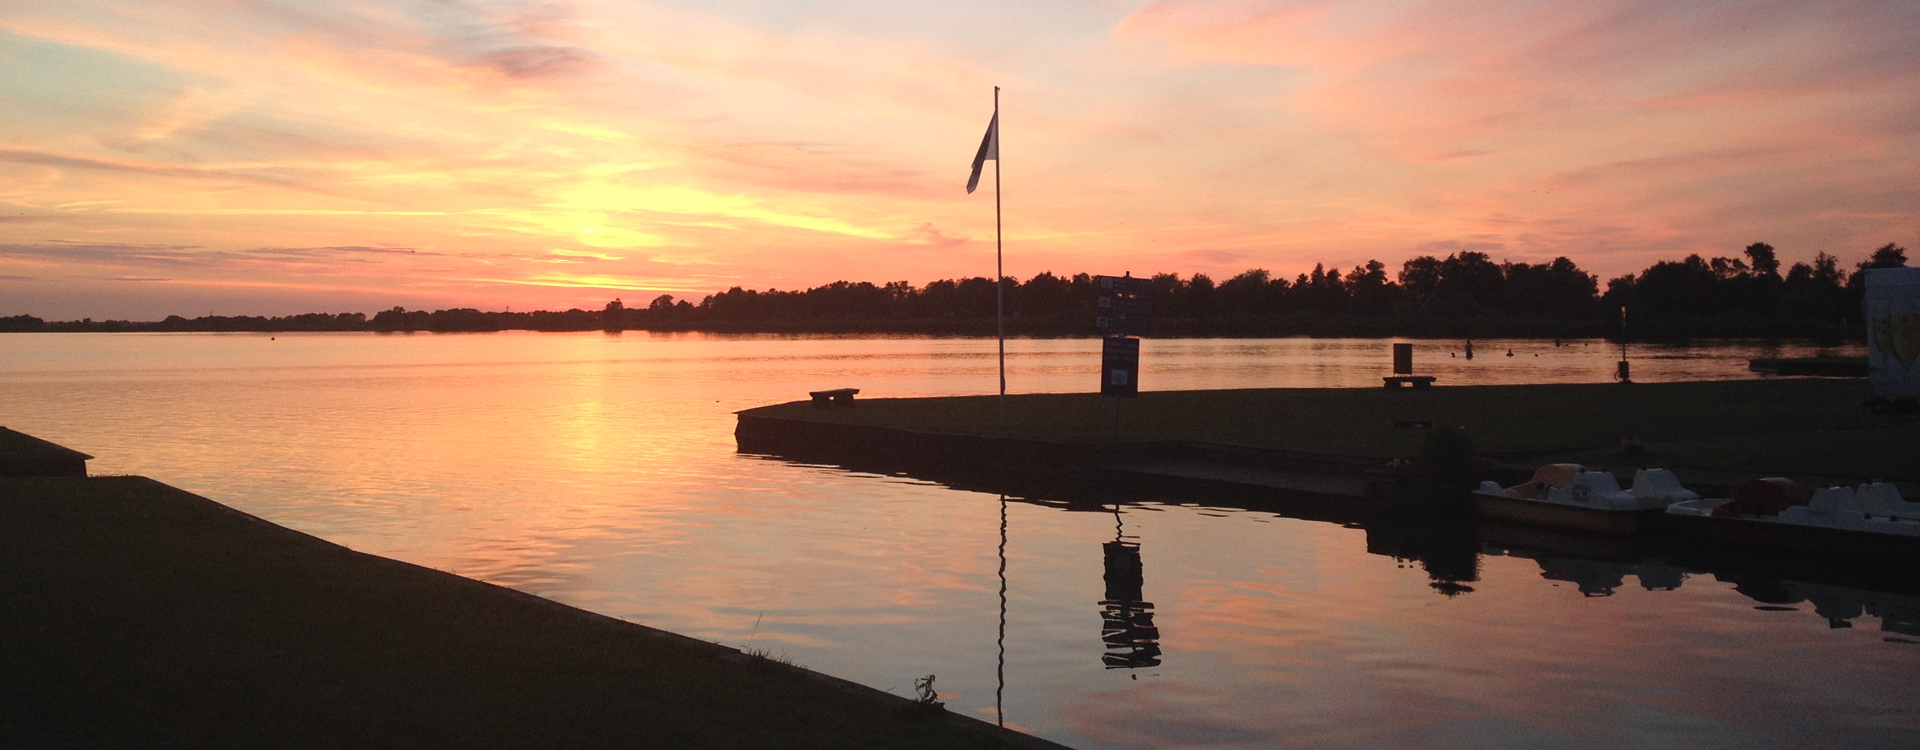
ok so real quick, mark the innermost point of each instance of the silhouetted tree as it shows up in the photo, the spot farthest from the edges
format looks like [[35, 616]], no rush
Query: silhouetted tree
[[1472, 275], [1557, 289], [1369, 291], [1885, 256], [1826, 270], [614, 316], [1728, 268], [1197, 298], [1420, 277], [1257, 293], [1045, 294], [1678, 290], [23, 323], [1322, 290], [1764, 262]]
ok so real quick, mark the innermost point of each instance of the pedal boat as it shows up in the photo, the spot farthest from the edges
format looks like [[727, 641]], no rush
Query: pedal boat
[[1869, 521], [1567, 496]]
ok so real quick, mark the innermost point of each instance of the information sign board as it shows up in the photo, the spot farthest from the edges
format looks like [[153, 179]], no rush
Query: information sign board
[[1124, 309], [1125, 286], [1121, 325], [1120, 367], [1126, 306]]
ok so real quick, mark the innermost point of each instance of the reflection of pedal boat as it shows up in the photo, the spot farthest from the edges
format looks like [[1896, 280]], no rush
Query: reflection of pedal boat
[[1525, 540], [1869, 521], [1566, 496]]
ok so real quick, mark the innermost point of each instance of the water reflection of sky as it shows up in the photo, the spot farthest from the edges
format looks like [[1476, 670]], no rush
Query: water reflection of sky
[[600, 470]]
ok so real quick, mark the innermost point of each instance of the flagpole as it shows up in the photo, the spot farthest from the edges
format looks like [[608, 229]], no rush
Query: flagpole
[[999, 267]]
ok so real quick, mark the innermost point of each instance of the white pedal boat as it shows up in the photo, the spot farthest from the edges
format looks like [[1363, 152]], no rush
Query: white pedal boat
[[1567, 496], [1871, 520]]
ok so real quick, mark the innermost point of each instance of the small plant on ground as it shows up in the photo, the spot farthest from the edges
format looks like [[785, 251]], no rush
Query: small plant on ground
[[928, 698], [762, 654], [768, 656]]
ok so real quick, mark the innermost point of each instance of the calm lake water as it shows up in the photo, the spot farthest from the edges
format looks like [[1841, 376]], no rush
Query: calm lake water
[[600, 470]]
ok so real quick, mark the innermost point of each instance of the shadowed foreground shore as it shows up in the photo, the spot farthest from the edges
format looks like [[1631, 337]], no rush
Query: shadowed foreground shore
[[139, 615]]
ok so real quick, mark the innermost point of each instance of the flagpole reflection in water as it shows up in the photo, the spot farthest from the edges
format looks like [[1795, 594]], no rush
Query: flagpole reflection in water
[[1000, 667]]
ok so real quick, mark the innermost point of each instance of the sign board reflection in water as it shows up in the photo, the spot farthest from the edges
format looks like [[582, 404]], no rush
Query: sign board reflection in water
[[1133, 642]]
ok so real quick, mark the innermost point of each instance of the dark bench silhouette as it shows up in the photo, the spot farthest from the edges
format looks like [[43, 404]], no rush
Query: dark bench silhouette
[[1403, 369], [841, 397], [1418, 381]]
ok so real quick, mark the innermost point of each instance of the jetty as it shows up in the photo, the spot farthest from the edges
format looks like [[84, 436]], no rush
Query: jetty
[[23, 455], [1353, 448], [141, 615]]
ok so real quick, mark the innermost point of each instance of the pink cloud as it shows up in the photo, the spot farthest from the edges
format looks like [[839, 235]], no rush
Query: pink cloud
[[1430, 79]]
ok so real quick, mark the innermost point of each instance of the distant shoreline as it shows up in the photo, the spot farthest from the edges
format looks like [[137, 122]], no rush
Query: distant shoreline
[[1465, 295], [1300, 325]]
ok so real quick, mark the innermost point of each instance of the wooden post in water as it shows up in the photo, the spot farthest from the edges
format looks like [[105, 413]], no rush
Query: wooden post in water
[[1622, 373]]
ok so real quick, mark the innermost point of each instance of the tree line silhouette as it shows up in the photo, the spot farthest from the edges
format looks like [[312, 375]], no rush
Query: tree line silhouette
[[1465, 293]]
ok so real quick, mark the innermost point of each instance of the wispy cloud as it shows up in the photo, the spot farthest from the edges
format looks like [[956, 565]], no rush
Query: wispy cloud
[[108, 254], [148, 168]]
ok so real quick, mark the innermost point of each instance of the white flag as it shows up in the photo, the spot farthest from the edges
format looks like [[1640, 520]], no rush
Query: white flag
[[989, 149]]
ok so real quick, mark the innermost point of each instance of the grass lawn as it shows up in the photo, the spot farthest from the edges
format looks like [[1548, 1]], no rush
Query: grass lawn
[[139, 615], [1544, 420]]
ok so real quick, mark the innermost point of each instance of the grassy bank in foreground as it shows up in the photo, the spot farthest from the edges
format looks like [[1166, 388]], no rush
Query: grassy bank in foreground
[[1799, 426], [139, 615]]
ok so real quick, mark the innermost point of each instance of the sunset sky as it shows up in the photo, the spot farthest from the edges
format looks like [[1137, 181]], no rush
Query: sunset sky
[[262, 157]]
